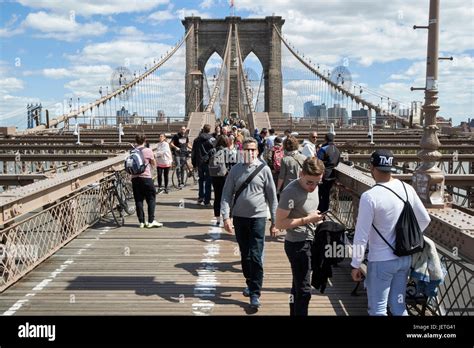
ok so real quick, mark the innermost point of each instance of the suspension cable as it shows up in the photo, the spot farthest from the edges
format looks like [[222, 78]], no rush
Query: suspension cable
[[126, 87], [215, 92], [336, 87]]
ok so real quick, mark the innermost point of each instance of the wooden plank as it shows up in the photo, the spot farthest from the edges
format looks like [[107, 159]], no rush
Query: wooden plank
[[132, 271]]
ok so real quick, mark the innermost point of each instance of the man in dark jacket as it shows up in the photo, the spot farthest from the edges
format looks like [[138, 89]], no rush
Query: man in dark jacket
[[330, 155], [261, 137], [202, 147]]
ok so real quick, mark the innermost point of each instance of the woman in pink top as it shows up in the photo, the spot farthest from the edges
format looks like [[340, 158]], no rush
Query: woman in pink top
[[143, 186], [164, 161]]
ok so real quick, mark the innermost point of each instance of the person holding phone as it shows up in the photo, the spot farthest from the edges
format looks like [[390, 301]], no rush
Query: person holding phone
[[297, 213]]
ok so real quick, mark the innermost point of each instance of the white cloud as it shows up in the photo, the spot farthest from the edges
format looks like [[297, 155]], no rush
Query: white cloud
[[121, 52], [130, 31], [94, 7], [13, 109], [168, 82], [207, 4], [187, 12], [5, 32], [61, 27], [456, 86], [161, 16], [56, 73], [366, 31], [10, 84], [86, 80]]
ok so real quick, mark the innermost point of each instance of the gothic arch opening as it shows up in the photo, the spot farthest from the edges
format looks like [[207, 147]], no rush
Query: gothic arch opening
[[212, 67], [253, 70]]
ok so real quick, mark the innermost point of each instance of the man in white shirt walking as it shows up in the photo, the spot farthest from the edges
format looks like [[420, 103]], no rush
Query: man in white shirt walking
[[387, 274]]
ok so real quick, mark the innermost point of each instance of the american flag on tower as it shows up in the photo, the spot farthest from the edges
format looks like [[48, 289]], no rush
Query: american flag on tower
[[231, 3]]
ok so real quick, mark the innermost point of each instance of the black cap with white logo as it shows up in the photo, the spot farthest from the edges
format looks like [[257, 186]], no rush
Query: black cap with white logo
[[383, 160]]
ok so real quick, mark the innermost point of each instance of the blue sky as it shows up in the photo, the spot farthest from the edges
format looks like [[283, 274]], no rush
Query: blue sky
[[54, 50]]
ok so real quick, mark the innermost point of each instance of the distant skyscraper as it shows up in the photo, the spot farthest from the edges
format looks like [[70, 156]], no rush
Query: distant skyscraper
[[360, 117], [319, 112], [338, 115], [123, 116], [381, 118], [307, 109], [416, 111]]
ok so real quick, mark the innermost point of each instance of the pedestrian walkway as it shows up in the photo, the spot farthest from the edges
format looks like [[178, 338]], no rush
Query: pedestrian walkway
[[187, 267]]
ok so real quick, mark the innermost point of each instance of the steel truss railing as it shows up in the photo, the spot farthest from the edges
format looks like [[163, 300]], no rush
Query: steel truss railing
[[27, 243]]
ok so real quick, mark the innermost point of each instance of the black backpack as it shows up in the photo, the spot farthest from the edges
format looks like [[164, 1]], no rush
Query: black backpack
[[207, 150], [408, 235]]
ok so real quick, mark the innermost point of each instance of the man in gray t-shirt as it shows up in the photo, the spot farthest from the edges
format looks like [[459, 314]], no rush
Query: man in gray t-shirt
[[297, 213], [301, 204]]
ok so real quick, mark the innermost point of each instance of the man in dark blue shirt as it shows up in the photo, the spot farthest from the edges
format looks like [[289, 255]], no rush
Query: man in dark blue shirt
[[330, 155]]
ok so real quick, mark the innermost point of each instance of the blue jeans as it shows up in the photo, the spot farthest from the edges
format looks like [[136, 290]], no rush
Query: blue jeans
[[250, 234], [386, 284], [205, 182]]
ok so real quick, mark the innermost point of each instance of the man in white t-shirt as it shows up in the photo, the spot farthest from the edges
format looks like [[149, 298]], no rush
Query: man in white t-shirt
[[387, 274], [309, 146]]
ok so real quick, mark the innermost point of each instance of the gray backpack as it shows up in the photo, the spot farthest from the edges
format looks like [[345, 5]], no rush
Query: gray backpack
[[217, 165]]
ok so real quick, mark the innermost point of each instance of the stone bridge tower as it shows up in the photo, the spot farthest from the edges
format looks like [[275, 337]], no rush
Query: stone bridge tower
[[255, 35]]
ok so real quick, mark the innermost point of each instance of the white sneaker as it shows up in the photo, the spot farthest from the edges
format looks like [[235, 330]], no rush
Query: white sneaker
[[142, 225], [154, 224]]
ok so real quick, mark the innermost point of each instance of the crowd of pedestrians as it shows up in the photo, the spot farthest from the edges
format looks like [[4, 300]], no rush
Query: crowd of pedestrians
[[268, 176]]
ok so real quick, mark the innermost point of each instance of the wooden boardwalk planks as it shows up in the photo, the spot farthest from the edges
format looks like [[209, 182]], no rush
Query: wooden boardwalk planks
[[187, 267]]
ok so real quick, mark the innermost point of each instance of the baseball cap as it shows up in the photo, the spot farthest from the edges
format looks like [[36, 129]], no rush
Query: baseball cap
[[330, 137], [383, 160]]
